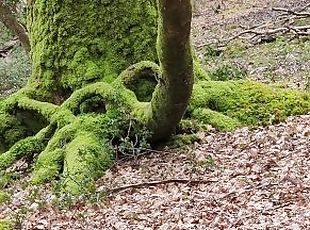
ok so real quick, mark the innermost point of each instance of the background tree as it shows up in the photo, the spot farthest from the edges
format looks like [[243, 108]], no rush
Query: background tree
[[9, 19], [118, 73]]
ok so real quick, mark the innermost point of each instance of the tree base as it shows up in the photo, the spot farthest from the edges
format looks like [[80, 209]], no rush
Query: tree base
[[76, 141]]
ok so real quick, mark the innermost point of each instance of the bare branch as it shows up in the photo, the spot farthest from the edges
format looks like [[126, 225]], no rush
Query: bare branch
[[283, 24], [154, 183]]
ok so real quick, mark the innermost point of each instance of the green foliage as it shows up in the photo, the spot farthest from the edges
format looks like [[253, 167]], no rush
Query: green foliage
[[4, 197], [211, 52], [6, 179]]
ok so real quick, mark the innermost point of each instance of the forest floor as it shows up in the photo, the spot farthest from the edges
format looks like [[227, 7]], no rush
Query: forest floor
[[250, 178]]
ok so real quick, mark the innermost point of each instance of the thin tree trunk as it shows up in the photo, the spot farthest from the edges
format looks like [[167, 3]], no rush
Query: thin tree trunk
[[172, 94], [10, 21]]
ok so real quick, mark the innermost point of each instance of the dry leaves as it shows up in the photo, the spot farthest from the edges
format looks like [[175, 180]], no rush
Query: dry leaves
[[260, 181]]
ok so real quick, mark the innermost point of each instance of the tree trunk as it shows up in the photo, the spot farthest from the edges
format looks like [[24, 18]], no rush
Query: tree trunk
[[81, 100], [10, 21], [174, 89], [78, 43]]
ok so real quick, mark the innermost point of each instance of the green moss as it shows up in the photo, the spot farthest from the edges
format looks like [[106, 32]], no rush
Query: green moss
[[86, 158], [141, 78], [20, 117], [11, 130], [6, 225], [249, 102], [216, 119], [180, 140], [190, 125], [23, 148], [80, 44]]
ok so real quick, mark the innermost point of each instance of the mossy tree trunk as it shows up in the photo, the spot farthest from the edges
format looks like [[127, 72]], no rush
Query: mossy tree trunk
[[81, 100]]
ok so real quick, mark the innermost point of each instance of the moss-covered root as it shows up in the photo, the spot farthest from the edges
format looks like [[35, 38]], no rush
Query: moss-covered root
[[86, 157], [109, 98], [246, 102], [141, 78], [81, 156], [24, 148], [20, 117], [11, 130], [215, 119]]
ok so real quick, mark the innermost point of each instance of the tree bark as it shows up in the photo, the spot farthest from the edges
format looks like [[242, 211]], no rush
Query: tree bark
[[175, 85], [10, 21], [78, 43]]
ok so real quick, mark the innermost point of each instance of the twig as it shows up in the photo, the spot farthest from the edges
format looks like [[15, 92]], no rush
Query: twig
[[154, 183], [7, 47], [291, 12], [284, 24]]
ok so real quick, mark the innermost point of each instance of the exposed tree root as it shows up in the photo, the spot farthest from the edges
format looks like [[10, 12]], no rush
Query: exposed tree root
[[77, 144]]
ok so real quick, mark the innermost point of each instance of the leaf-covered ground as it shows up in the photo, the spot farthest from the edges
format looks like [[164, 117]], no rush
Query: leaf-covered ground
[[283, 62], [250, 179], [245, 179]]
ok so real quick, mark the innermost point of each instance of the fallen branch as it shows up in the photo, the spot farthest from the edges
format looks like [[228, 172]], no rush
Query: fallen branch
[[7, 47], [284, 25], [154, 183], [291, 12], [295, 30]]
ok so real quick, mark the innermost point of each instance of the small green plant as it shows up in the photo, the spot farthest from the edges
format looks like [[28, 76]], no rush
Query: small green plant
[[228, 72], [212, 51], [20, 216], [6, 179], [198, 163], [206, 164], [6, 225], [4, 197]]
